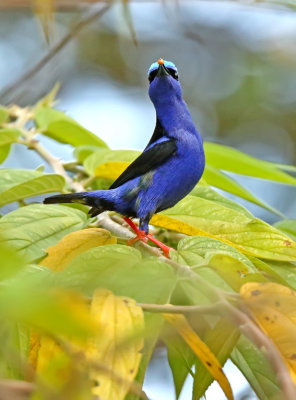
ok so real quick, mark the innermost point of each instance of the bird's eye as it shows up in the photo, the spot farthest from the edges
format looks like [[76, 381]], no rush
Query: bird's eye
[[173, 73]]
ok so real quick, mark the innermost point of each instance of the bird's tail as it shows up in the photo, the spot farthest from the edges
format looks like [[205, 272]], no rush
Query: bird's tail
[[96, 203]]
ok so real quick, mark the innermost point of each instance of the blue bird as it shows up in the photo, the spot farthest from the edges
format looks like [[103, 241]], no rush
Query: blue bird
[[168, 169]]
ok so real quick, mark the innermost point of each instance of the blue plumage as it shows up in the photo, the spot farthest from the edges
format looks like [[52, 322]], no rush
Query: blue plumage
[[169, 167]]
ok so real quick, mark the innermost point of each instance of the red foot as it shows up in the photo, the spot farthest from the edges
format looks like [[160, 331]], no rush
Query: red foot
[[166, 249], [141, 235]]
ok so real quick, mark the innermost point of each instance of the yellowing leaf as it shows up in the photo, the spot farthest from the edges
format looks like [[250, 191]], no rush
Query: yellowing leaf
[[118, 345], [34, 348], [167, 222], [54, 367], [274, 308], [197, 216], [73, 244], [111, 170], [57, 372], [201, 350], [104, 156]]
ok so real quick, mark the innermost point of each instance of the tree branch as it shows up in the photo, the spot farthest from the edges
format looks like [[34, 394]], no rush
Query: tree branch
[[12, 389], [8, 91]]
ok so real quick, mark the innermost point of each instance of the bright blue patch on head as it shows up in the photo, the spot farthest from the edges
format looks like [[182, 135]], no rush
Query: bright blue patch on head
[[167, 64]]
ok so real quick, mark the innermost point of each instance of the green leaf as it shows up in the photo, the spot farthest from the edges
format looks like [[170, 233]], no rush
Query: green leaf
[[82, 152], [32, 229], [4, 115], [204, 254], [199, 250], [181, 359], [60, 127], [50, 98], [8, 136], [153, 325], [221, 339], [277, 271], [217, 178], [287, 226], [4, 152], [230, 159], [283, 272], [120, 269], [205, 191], [103, 156], [14, 349], [199, 217], [17, 184], [255, 368], [11, 262]]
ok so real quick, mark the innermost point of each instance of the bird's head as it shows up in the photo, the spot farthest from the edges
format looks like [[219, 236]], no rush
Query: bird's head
[[164, 81]]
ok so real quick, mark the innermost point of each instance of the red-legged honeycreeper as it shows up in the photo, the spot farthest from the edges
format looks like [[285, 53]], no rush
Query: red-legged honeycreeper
[[169, 167]]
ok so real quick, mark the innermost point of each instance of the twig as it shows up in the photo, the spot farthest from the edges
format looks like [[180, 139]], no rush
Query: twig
[[23, 115], [106, 222], [55, 163], [55, 49], [11, 388], [172, 309]]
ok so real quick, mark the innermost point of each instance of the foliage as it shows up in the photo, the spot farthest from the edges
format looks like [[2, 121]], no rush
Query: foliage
[[82, 312]]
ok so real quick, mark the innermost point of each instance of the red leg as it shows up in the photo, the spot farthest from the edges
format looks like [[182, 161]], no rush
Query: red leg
[[166, 249], [141, 235]]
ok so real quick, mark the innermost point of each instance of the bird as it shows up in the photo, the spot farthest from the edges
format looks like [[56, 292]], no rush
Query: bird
[[167, 170]]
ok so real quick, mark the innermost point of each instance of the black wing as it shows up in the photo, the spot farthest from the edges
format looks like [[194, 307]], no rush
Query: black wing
[[147, 161], [158, 133]]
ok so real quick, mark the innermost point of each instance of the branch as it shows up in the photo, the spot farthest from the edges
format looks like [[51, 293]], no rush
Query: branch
[[23, 116], [62, 43], [62, 5], [172, 309], [12, 389], [251, 330], [55, 164], [118, 230], [245, 323]]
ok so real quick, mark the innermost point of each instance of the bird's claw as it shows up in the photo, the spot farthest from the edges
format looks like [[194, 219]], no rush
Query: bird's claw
[[166, 249], [141, 235]]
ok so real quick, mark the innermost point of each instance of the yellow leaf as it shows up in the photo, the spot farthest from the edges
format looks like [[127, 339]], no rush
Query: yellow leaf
[[55, 369], [118, 345], [195, 216], [61, 254], [201, 350], [172, 224], [34, 348], [111, 170], [76, 306], [274, 308]]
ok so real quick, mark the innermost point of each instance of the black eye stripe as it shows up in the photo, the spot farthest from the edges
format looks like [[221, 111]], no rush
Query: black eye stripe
[[152, 75], [171, 71]]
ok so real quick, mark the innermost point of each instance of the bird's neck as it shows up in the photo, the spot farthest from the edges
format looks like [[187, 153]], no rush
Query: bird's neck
[[175, 117]]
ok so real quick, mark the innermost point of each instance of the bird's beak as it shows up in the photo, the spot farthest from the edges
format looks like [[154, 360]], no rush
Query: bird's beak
[[162, 71]]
